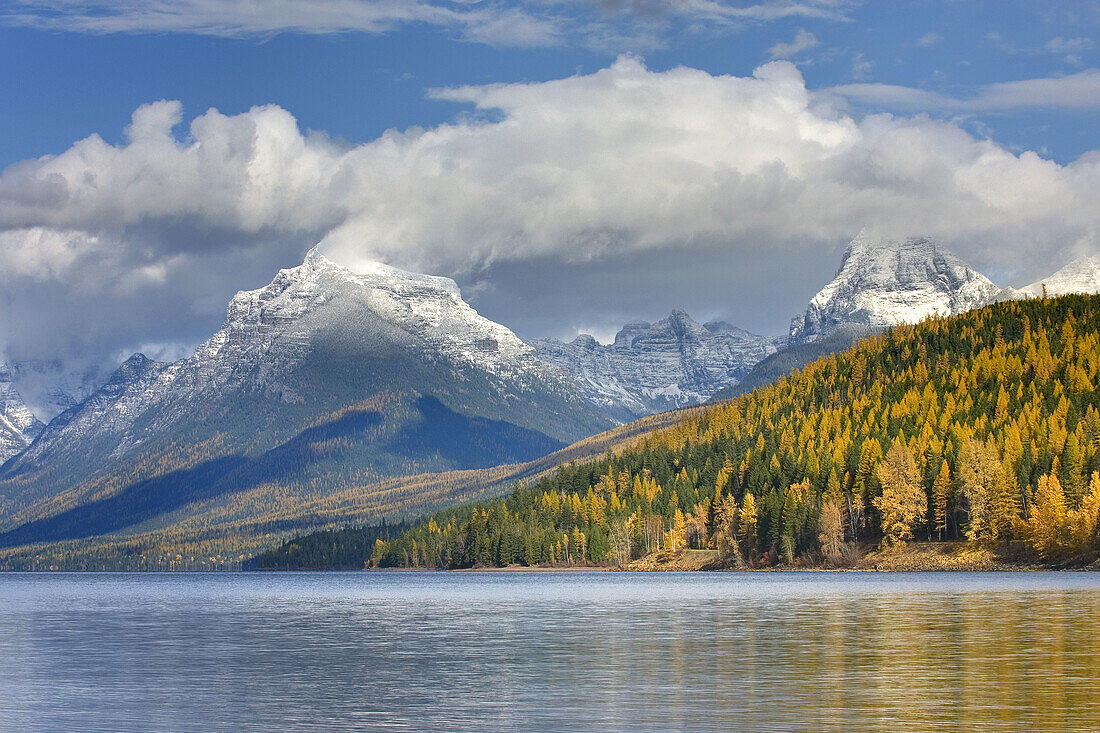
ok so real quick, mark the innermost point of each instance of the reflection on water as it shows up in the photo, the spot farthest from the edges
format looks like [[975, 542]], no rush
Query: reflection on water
[[551, 651]]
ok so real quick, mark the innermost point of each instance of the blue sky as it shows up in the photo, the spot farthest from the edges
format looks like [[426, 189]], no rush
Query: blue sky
[[551, 156], [62, 84]]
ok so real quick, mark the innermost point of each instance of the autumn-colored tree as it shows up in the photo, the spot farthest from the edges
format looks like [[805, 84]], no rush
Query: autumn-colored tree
[[674, 537], [979, 467], [725, 526], [578, 544], [1085, 519], [619, 538], [1004, 509], [830, 531], [746, 528], [903, 501], [941, 496], [1048, 526], [697, 524]]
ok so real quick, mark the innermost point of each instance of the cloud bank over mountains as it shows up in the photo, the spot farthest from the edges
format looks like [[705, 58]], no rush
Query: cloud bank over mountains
[[105, 247]]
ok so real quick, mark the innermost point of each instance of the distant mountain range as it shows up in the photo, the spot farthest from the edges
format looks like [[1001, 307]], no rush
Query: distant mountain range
[[1079, 276], [328, 378], [656, 367]]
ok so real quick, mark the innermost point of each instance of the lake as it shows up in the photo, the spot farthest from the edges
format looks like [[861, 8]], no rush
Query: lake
[[549, 651]]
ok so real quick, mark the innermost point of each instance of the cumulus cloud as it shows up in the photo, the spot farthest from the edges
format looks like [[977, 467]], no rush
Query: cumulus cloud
[[108, 246]]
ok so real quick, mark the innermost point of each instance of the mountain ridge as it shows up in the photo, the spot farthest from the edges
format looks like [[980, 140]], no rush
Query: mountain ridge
[[652, 367], [1081, 275], [883, 282]]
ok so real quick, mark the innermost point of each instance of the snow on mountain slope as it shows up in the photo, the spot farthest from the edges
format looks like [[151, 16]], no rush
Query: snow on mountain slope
[[317, 341], [1079, 276], [884, 282], [48, 388], [18, 425], [654, 367], [268, 330]]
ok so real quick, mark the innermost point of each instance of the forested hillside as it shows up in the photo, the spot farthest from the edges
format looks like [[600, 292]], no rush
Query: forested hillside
[[981, 427], [228, 531]]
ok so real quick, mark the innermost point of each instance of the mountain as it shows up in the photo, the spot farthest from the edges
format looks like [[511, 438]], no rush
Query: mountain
[[884, 282], [1080, 276], [18, 425], [323, 378], [880, 283], [655, 367], [224, 531]]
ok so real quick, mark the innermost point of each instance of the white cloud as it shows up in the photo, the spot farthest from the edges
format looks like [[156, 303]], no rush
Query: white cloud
[[1074, 91], [528, 23], [1000, 43], [130, 243], [861, 67], [1070, 45], [496, 25], [803, 40], [929, 39]]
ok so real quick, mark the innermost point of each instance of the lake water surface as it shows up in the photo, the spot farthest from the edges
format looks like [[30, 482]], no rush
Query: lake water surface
[[549, 651]]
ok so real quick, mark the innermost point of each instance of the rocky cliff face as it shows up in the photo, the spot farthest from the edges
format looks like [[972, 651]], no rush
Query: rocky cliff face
[[884, 282], [654, 367]]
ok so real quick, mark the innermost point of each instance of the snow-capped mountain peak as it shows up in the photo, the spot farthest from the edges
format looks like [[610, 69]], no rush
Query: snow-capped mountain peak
[[379, 273], [1082, 275], [883, 282], [282, 318]]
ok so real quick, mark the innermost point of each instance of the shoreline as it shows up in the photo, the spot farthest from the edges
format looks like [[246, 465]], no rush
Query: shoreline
[[912, 558]]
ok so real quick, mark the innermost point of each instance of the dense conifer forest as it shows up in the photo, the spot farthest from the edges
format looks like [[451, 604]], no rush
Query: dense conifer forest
[[982, 428], [342, 549]]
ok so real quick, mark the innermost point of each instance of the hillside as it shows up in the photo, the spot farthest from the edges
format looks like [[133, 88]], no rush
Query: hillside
[[982, 427], [225, 531]]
